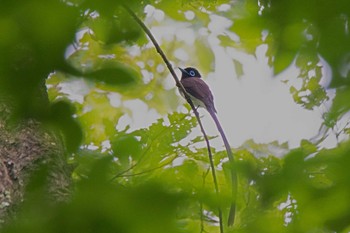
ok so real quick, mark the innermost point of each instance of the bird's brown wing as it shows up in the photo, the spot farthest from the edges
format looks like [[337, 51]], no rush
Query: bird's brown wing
[[200, 90]]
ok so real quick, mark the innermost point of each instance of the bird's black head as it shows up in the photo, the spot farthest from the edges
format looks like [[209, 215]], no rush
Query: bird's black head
[[190, 72]]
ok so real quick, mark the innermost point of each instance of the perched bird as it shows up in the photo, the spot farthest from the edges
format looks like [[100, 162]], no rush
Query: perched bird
[[201, 96], [197, 89]]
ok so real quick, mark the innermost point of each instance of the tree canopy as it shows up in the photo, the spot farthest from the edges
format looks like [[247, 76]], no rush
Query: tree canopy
[[78, 67]]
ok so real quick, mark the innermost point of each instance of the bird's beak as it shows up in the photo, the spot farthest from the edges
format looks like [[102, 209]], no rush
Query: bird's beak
[[183, 71]]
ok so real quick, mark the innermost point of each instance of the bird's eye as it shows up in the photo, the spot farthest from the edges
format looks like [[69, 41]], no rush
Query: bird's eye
[[192, 73]]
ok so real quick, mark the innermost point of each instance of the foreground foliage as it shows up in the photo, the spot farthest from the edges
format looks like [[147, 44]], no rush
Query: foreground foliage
[[157, 178]]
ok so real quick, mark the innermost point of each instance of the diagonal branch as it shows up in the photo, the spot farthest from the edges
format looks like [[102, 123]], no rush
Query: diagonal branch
[[179, 85]]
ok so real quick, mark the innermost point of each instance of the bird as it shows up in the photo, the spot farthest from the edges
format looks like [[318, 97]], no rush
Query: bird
[[201, 96], [198, 90]]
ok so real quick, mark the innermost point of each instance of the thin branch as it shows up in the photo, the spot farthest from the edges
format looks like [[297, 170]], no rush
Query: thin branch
[[201, 204], [149, 170], [161, 53], [179, 85]]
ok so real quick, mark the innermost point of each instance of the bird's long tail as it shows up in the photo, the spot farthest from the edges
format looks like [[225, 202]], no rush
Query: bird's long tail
[[232, 213]]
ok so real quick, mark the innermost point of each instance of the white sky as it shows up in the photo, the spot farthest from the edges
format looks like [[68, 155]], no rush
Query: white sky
[[259, 106]]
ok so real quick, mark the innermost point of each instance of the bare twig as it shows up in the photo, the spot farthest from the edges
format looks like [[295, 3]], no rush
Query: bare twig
[[179, 85]]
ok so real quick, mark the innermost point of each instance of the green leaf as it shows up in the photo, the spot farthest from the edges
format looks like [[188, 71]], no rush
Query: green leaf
[[308, 146], [340, 106], [61, 117], [114, 75], [99, 119], [125, 147], [110, 30], [97, 205], [238, 68], [205, 56], [249, 31], [282, 60], [32, 44], [293, 36]]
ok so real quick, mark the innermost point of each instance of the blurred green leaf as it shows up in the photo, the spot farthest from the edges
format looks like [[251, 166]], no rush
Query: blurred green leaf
[[111, 30], [238, 68], [114, 75], [282, 60], [205, 56], [340, 106], [334, 45], [249, 30], [34, 37], [126, 146], [61, 117], [146, 208]]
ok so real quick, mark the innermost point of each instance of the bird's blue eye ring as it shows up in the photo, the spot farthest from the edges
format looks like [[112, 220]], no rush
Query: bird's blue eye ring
[[192, 73]]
